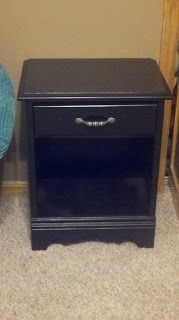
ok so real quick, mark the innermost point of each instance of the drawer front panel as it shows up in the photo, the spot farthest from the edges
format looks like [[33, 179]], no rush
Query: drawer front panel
[[95, 120]]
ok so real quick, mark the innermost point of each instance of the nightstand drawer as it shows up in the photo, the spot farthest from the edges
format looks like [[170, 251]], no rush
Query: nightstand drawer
[[95, 120]]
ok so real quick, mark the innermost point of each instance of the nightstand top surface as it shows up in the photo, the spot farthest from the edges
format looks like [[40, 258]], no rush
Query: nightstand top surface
[[44, 79]]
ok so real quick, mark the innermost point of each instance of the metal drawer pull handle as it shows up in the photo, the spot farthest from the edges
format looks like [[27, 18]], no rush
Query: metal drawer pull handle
[[94, 123]]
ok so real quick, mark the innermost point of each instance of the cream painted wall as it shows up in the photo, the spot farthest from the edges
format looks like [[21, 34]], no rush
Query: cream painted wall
[[76, 28]]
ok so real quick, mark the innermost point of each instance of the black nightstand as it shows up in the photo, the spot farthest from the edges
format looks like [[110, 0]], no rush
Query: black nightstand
[[94, 128]]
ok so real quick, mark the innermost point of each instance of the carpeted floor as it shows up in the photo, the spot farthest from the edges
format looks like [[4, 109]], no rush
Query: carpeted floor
[[90, 280]]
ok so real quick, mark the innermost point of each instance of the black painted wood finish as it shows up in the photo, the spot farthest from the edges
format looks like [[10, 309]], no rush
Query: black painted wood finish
[[94, 134]]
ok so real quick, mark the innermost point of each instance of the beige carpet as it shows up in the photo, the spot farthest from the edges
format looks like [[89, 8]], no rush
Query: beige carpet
[[90, 280]]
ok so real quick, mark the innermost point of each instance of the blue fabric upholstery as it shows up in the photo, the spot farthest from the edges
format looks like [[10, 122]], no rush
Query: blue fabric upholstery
[[7, 110]]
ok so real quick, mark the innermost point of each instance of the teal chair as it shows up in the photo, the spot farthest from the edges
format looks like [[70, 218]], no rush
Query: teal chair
[[7, 110]]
